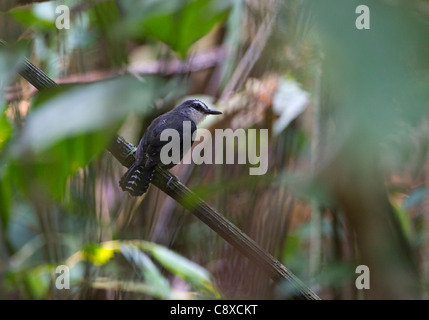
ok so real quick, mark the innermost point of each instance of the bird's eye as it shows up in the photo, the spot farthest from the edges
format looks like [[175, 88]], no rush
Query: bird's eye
[[198, 107]]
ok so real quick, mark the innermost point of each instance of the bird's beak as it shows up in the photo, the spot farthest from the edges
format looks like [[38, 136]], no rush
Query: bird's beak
[[209, 111]]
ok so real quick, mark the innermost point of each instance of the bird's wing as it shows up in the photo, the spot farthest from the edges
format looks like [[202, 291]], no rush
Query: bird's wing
[[152, 143]]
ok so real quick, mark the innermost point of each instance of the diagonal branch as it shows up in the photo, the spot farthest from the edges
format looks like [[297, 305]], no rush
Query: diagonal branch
[[124, 153]]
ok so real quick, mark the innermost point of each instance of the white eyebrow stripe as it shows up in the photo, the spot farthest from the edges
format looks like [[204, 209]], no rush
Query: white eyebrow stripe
[[201, 104]]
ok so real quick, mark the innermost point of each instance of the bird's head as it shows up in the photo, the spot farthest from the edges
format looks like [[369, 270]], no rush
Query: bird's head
[[195, 110]]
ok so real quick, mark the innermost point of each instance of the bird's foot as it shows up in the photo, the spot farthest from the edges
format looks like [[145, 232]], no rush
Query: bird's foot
[[172, 178], [132, 152]]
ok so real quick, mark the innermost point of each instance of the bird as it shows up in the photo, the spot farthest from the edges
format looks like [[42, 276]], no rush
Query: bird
[[137, 179]]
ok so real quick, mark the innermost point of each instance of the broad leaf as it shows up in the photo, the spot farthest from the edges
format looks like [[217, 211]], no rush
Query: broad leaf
[[173, 22], [153, 278]]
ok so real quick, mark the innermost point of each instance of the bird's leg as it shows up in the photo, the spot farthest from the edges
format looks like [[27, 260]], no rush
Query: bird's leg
[[172, 178], [132, 151]]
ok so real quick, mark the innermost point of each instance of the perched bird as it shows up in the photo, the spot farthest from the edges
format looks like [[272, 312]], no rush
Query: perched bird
[[138, 177]]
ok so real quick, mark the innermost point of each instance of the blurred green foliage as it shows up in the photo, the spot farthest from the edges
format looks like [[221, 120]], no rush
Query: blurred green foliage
[[59, 198], [137, 254], [67, 129], [176, 23], [376, 76], [29, 18]]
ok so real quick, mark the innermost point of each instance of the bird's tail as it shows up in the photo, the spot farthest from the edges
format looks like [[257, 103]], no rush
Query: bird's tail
[[137, 179]]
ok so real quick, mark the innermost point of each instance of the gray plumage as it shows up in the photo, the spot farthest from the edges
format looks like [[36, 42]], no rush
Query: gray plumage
[[138, 177]]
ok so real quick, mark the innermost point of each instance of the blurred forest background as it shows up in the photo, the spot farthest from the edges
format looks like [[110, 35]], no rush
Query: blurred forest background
[[348, 169]]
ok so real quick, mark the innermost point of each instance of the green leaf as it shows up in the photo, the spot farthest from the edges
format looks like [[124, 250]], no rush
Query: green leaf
[[155, 284], [173, 22], [179, 265], [404, 220], [5, 130], [66, 129], [28, 18], [34, 281], [6, 182], [5, 196], [98, 255], [83, 109], [153, 279], [37, 281]]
